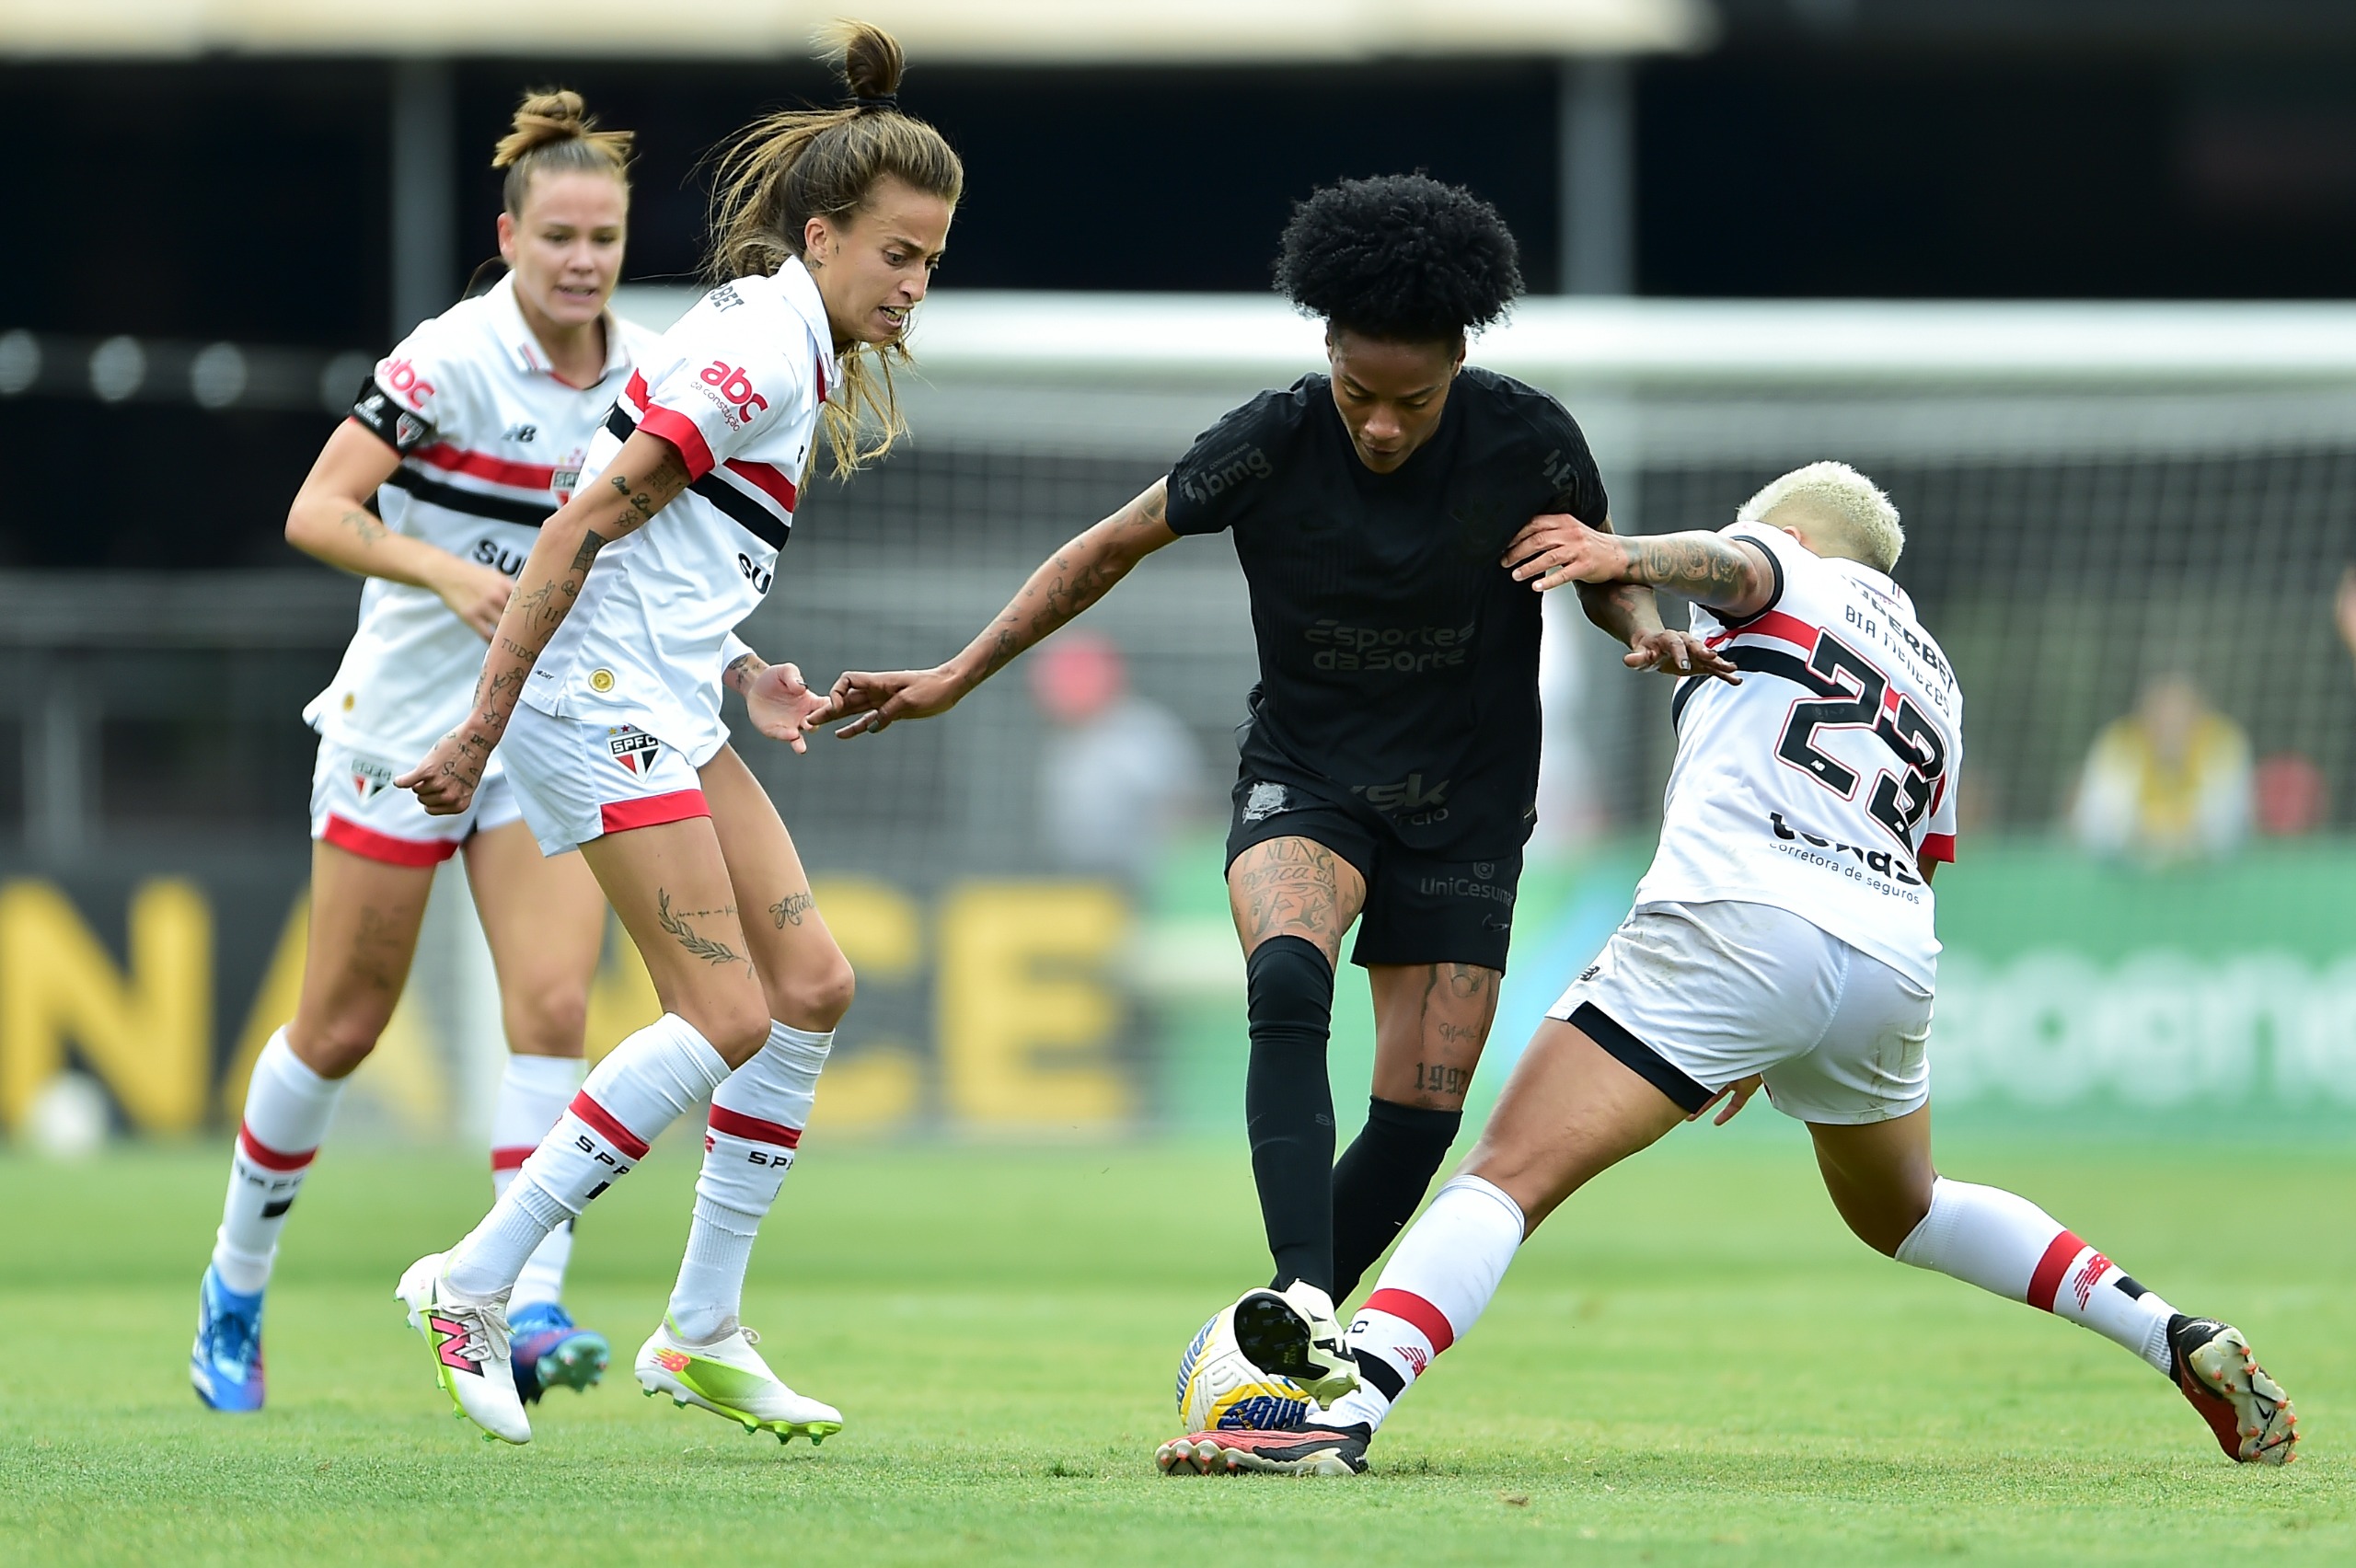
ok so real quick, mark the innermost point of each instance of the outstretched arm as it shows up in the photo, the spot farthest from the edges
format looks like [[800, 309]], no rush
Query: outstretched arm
[[1065, 584], [641, 479], [1618, 604], [1732, 577]]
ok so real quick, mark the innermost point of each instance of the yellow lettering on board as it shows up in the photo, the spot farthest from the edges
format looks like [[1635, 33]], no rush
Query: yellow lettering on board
[[147, 1033], [1027, 1013]]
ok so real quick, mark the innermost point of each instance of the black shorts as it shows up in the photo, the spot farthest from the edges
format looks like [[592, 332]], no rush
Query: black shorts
[[1419, 908]]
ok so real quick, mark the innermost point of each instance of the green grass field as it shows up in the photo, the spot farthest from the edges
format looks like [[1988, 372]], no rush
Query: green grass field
[[1692, 1363]]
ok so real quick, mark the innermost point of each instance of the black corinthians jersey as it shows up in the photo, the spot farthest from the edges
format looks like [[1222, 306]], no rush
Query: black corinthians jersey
[[1398, 659]]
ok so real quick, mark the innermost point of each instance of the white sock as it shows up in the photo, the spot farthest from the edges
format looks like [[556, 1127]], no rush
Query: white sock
[[1438, 1284], [533, 1092], [652, 1078], [2008, 1246], [288, 1107], [756, 1121]]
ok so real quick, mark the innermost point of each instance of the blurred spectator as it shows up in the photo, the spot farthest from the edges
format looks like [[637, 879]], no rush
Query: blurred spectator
[[2170, 781], [1117, 773], [2292, 799]]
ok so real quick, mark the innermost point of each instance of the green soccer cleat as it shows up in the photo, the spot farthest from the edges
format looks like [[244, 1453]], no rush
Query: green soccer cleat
[[468, 1339], [729, 1379]]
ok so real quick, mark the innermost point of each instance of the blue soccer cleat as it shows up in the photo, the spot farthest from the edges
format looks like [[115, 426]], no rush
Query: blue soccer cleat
[[226, 1362], [549, 1353]]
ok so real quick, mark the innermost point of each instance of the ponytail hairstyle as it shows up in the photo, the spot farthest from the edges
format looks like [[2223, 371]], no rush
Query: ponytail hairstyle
[[790, 167], [552, 135]]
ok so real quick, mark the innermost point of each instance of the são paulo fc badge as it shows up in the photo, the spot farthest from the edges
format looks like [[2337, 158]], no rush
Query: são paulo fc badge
[[370, 778], [635, 748]]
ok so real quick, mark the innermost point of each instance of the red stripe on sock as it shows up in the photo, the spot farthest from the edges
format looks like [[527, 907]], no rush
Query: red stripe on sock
[[270, 1158], [738, 1126], [510, 1159], [600, 1122], [2046, 1283], [1429, 1320]]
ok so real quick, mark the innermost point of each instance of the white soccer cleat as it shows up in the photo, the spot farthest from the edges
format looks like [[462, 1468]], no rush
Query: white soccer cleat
[[468, 1339], [729, 1379], [1294, 1334]]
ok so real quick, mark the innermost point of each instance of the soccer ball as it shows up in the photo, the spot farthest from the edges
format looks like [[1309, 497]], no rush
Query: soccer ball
[[1219, 1388]]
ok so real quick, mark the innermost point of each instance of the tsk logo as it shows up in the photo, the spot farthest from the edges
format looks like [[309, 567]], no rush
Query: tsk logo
[[634, 749], [1409, 796]]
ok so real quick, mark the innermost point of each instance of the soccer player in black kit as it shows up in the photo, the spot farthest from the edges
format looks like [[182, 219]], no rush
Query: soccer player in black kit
[[1390, 763]]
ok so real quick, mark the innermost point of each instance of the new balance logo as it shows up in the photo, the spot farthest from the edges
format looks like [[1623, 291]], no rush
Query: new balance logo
[[448, 1347], [522, 433], [1413, 1356], [2082, 1284]]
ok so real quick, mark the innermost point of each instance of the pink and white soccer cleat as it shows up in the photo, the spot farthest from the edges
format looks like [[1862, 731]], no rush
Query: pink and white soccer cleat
[[468, 1339]]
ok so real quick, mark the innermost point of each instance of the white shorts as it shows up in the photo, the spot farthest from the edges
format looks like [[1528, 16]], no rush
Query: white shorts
[[355, 807], [578, 780], [1693, 996]]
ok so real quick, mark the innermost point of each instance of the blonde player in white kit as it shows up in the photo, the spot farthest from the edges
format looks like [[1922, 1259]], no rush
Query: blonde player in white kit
[[1783, 935], [470, 433], [601, 693]]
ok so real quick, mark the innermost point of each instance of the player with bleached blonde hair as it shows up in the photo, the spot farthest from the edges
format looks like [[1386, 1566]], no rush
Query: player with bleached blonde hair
[[1783, 937]]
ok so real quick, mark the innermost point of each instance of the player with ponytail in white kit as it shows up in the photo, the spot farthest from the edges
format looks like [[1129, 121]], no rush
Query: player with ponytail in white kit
[[469, 433], [1783, 936], [601, 694]]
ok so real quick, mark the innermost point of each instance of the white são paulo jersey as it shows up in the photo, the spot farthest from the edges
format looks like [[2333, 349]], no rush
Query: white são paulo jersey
[[736, 386], [492, 443], [1818, 784]]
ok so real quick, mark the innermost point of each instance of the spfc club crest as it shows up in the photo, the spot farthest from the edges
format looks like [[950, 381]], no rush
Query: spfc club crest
[[635, 748], [370, 779]]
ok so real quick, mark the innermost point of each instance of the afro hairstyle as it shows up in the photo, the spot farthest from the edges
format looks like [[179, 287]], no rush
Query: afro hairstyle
[[1400, 257]]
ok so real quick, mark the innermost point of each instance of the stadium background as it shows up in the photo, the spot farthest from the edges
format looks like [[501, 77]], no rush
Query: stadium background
[[226, 211], [2065, 274]]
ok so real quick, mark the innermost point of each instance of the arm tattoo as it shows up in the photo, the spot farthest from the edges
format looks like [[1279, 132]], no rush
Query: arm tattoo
[[590, 545], [790, 909], [653, 493], [1700, 566], [742, 671], [366, 523], [704, 947], [1074, 578]]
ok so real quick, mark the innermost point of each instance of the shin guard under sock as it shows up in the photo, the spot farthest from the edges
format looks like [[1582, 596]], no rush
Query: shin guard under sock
[[288, 1107], [1436, 1287], [1382, 1176], [1288, 1106], [2005, 1244], [651, 1079]]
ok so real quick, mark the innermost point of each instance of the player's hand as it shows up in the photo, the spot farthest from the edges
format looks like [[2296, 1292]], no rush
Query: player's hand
[[1737, 1095], [781, 704], [476, 594], [881, 701], [1678, 653], [1556, 548], [445, 782]]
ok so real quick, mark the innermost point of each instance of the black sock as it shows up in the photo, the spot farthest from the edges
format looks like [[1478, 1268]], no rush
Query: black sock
[[1288, 1106], [1380, 1180]]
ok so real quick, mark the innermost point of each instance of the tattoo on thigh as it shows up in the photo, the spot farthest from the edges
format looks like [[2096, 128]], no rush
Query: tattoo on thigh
[[701, 947], [1438, 1077], [1290, 886], [789, 910]]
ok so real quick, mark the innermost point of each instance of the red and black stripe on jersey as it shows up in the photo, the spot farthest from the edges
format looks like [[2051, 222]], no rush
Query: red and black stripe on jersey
[[755, 518]]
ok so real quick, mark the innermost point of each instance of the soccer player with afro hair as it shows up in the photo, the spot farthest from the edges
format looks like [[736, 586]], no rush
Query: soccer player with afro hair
[[1390, 762]]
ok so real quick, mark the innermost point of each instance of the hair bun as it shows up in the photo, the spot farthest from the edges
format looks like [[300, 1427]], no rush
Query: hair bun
[[870, 62], [542, 119]]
